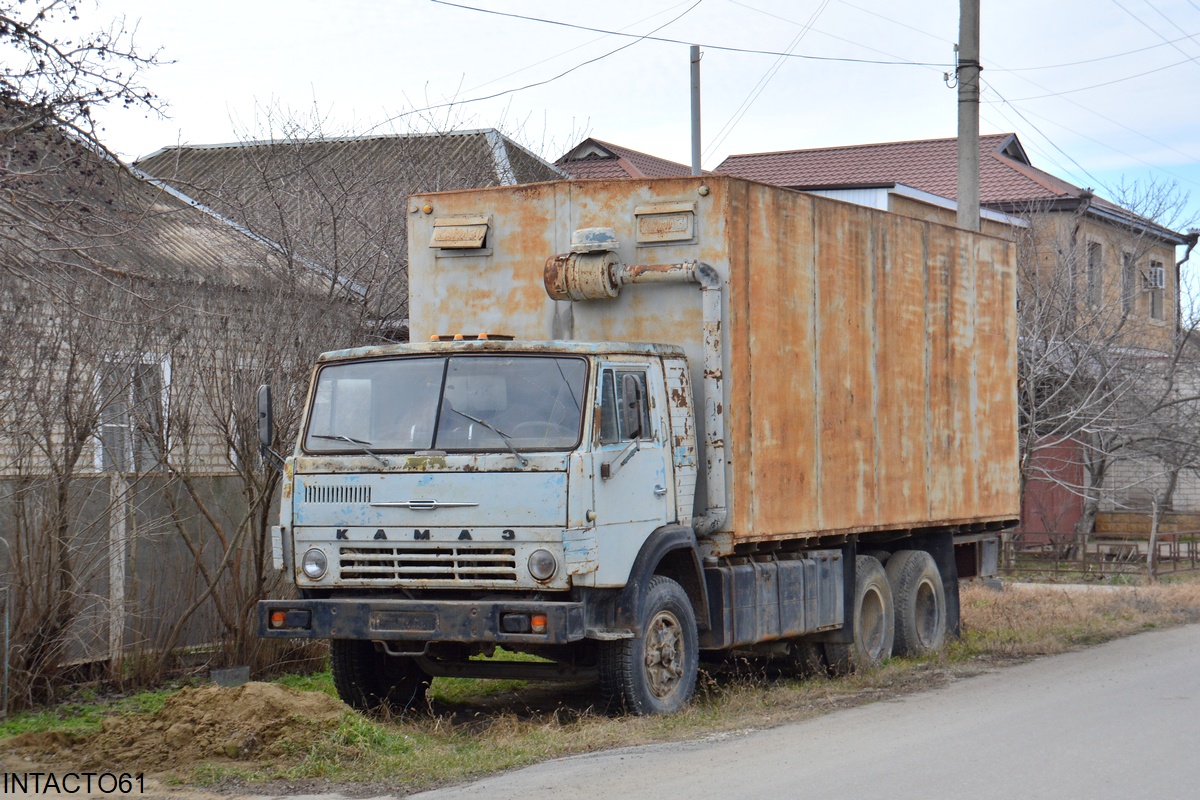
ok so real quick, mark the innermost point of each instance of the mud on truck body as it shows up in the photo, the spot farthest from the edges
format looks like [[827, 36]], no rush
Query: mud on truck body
[[645, 419]]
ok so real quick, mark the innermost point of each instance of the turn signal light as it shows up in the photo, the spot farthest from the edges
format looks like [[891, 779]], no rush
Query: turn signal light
[[538, 623], [292, 618]]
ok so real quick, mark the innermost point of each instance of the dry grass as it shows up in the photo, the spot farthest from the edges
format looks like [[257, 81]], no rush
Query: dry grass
[[504, 725], [1038, 619]]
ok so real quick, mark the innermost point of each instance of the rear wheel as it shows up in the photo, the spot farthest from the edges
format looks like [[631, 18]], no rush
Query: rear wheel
[[369, 680], [920, 602], [654, 673], [873, 618]]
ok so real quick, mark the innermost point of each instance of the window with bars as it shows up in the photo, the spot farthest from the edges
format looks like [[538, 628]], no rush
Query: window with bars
[[1156, 288]]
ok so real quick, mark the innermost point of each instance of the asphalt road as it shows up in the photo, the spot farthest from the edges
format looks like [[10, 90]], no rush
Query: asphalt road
[[1121, 720]]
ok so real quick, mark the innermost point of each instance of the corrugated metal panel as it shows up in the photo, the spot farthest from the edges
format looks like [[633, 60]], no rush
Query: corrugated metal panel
[[871, 198], [121, 224], [871, 357]]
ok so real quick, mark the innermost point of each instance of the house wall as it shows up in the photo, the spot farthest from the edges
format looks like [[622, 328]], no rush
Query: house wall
[[1058, 244], [1131, 485], [115, 560]]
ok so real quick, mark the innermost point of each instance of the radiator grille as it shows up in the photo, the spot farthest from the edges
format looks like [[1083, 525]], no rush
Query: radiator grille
[[337, 494], [437, 563]]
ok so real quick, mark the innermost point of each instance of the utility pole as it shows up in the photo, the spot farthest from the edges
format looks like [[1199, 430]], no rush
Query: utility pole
[[968, 114], [696, 109]]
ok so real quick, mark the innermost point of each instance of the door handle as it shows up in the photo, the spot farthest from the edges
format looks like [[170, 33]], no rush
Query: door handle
[[659, 491]]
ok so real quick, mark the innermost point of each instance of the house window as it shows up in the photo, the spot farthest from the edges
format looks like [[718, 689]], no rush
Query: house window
[[1095, 274], [618, 424], [1129, 279], [132, 411], [1157, 282]]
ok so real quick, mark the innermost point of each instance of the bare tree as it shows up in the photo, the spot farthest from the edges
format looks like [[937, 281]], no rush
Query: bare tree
[[50, 84], [1104, 364], [210, 453], [61, 383], [59, 78]]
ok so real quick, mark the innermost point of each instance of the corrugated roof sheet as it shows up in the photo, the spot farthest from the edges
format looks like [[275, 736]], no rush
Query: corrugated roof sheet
[[68, 206], [593, 158], [342, 203]]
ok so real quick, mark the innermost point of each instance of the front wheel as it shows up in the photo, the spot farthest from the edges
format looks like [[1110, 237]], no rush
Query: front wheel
[[369, 680], [654, 673]]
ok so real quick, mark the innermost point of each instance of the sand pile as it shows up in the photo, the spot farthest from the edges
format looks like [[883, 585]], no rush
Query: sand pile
[[193, 727]]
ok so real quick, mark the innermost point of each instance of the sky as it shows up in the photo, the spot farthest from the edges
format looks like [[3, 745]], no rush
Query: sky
[[1103, 93]]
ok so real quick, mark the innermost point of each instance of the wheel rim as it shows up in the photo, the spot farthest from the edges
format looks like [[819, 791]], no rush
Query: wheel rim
[[873, 625], [928, 614], [664, 654]]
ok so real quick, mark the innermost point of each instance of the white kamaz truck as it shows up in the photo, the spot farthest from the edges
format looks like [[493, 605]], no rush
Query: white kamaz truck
[[643, 419]]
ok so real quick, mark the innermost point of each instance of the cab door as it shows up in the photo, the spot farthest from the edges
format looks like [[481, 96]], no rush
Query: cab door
[[633, 485]]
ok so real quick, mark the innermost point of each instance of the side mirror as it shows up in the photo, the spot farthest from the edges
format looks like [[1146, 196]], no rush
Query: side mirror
[[266, 421]]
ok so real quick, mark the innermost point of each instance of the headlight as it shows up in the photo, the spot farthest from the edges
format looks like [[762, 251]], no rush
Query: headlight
[[542, 565], [314, 563]]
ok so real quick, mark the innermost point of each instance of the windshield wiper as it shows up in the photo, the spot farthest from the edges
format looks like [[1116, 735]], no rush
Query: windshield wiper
[[361, 443], [504, 437]]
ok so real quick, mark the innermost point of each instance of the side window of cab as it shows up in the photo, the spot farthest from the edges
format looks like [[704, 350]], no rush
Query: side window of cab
[[624, 407]]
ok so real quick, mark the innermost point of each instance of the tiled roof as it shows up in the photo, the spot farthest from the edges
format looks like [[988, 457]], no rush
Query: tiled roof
[[930, 165], [1007, 180], [593, 158]]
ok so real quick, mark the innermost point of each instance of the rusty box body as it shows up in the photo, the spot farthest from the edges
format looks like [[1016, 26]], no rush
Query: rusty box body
[[869, 358]]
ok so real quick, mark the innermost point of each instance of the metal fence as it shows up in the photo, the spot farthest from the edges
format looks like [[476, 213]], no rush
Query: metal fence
[[1102, 554]]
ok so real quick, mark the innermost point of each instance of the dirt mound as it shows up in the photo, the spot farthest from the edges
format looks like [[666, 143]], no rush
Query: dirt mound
[[193, 727]]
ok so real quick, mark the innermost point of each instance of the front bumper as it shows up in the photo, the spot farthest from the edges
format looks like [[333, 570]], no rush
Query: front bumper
[[420, 620]]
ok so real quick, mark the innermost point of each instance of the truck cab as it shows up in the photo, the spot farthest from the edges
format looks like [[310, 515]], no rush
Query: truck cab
[[449, 497]]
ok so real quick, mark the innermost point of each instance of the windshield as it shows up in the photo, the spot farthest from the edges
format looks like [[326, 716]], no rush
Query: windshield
[[475, 403]]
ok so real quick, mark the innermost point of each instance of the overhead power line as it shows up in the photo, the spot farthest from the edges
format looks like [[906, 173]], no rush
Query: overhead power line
[[571, 50], [761, 86], [1066, 155], [1153, 30], [995, 68], [535, 84], [1105, 83], [724, 48]]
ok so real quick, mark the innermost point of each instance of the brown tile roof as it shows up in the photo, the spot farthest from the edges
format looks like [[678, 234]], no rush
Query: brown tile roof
[[593, 158], [1007, 180], [930, 165]]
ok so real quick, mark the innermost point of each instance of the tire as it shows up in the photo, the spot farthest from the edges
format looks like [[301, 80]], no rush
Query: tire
[[873, 618], [654, 673], [920, 600], [369, 680]]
